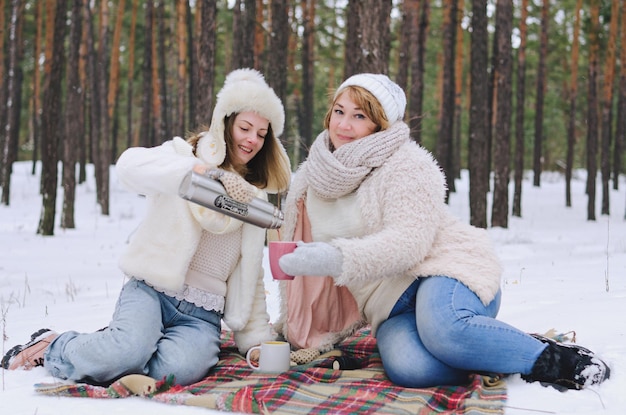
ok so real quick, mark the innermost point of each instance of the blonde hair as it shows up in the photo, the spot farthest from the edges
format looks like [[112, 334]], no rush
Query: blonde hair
[[364, 100], [264, 170]]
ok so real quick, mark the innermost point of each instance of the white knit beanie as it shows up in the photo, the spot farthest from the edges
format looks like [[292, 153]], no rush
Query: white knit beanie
[[243, 90], [387, 92]]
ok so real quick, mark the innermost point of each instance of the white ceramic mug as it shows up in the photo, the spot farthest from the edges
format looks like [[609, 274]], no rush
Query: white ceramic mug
[[274, 357]]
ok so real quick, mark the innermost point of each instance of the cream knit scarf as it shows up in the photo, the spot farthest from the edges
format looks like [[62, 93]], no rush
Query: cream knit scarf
[[338, 173]]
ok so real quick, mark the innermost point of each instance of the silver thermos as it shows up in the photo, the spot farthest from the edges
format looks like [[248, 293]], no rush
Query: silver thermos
[[210, 193]]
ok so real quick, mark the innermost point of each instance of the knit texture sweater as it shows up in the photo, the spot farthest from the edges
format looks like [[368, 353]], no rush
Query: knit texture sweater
[[207, 276]]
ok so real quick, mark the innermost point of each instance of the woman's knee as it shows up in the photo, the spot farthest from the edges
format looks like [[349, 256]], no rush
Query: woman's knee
[[405, 360], [185, 371], [445, 309], [188, 355], [419, 369]]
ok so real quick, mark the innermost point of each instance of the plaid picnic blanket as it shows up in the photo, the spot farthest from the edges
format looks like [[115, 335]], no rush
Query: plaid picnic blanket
[[313, 388]]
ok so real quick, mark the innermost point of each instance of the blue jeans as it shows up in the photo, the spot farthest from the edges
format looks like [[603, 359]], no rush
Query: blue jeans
[[439, 332], [150, 334]]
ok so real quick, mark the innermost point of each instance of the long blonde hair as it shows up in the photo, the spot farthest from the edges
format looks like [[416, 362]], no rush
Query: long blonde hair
[[263, 170]]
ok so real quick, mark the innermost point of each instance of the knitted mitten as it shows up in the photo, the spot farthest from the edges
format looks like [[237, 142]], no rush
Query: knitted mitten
[[303, 356], [313, 258], [236, 186]]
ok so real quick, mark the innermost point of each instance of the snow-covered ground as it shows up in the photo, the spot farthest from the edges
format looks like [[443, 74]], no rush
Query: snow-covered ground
[[562, 272]]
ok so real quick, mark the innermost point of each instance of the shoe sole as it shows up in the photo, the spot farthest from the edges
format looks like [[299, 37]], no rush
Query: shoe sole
[[35, 338]]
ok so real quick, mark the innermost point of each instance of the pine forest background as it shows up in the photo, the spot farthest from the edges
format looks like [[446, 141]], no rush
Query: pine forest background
[[501, 88]]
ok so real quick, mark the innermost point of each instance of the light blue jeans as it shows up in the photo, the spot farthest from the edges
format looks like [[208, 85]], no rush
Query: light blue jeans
[[439, 332], [150, 334]]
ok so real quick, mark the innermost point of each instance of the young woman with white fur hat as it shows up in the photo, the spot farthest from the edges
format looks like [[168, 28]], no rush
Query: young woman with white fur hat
[[189, 267], [378, 245]]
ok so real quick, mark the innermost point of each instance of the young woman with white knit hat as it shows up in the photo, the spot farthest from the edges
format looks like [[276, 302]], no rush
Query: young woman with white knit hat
[[378, 245], [189, 267]]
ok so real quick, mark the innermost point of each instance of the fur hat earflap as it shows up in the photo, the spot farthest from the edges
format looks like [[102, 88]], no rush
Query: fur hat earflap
[[243, 90]]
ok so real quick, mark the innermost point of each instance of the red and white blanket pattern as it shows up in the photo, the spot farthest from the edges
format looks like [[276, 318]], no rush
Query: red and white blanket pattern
[[314, 388]]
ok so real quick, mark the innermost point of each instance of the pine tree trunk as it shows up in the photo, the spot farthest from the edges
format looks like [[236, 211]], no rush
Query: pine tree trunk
[[3, 100], [114, 73], [92, 90], [73, 120], [277, 59], [206, 62], [51, 116], [541, 88], [10, 132], [130, 138], [244, 21], [592, 110], [409, 9], [573, 95], [114, 76], [418, 53], [259, 36], [519, 112], [445, 144], [156, 79], [351, 45], [502, 132], [237, 36], [249, 28], [104, 134], [84, 150], [3, 25], [478, 122], [178, 121], [620, 128], [163, 120], [308, 76], [36, 116], [607, 110], [192, 56], [369, 50], [458, 90], [490, 108], [145, 127]]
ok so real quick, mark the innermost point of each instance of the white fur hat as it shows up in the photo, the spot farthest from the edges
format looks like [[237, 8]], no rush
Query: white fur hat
[[388, 93], [243, 90]]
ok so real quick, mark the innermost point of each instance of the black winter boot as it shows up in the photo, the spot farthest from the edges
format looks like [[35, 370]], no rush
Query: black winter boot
[[567, 366]]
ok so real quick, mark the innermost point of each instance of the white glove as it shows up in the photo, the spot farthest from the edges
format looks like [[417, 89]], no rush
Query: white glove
[[235, 185], [313, 258]]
